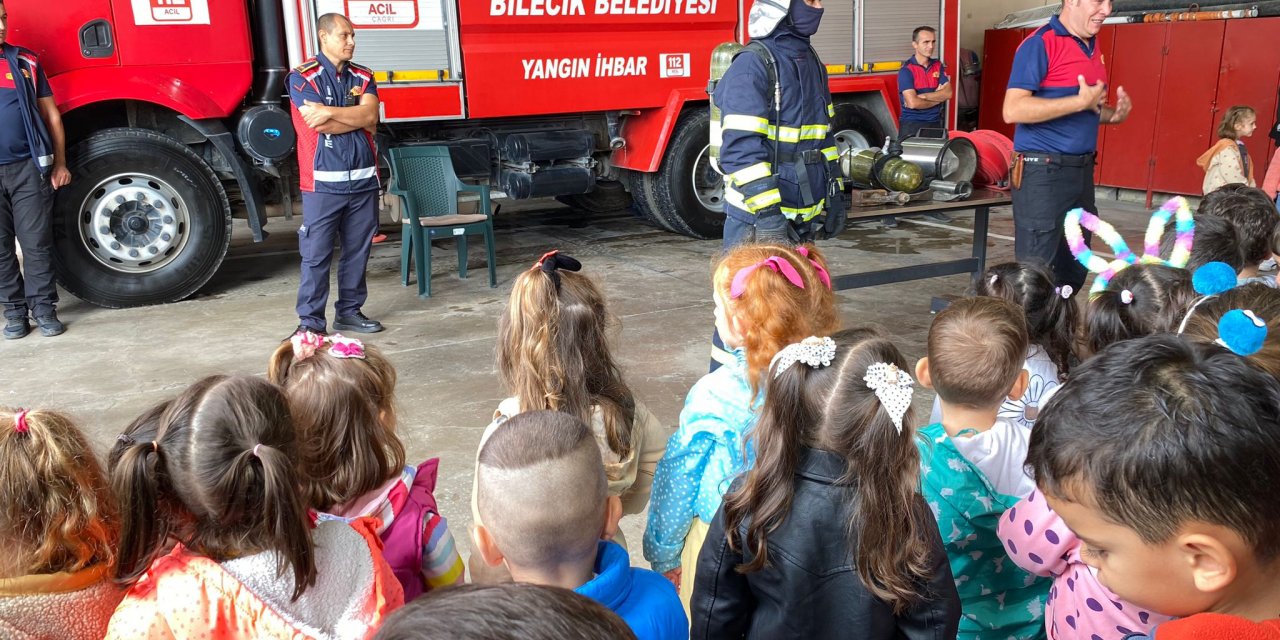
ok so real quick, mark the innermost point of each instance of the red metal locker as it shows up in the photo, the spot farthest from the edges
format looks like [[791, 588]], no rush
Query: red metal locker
[[1135, 63], [1249, 75], [998, 48], [1185, 121], [1105, 42]]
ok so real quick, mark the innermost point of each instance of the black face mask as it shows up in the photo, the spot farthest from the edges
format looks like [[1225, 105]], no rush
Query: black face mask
[[805, 18]]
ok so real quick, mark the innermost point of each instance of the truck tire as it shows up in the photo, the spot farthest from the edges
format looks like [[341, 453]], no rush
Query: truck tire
[[643, 199], [685, 195], [607, 197], [144, 220], [854, 126]]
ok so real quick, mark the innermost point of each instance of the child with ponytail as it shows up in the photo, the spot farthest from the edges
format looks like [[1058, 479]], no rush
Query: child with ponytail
[[766, 297], [1141, 300], [342, 398], [834, 493], [219, 478], [555, 353], [59, 525]]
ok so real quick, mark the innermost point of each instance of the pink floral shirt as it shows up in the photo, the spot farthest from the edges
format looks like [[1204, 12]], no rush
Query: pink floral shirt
[[1078, 606]]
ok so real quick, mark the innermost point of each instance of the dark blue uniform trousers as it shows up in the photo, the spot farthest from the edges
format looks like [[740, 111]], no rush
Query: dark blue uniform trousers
[[353, 219], [26, 215]]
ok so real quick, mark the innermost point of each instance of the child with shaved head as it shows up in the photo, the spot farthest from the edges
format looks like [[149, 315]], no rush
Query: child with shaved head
[[543, 498]]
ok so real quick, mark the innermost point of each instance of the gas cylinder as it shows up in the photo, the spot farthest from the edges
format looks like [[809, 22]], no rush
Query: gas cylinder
[[900, 175], [859, 166], [721, 57]]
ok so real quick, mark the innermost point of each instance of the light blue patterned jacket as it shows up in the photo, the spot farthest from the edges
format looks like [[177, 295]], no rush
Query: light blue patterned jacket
[[703, 457]]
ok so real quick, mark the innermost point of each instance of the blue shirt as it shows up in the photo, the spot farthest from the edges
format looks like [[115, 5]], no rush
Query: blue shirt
[[646, 601], [339, 162], [1048, 64], [13, 134], [922, 79], [703, 456]]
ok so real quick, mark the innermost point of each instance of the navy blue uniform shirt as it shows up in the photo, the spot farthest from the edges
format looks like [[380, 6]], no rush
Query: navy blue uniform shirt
[[923, 79], [1047, 64], [13, 134]]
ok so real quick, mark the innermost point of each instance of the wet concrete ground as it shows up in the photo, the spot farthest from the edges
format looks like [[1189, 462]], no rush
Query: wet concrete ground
[[112, 364]]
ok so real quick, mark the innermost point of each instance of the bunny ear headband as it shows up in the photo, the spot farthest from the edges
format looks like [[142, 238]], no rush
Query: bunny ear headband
[[1078, 219]]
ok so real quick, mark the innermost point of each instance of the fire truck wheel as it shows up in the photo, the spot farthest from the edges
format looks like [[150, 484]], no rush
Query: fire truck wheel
[[854, 126], [642, 199], [607, 197], [688, 194], [144, 220]]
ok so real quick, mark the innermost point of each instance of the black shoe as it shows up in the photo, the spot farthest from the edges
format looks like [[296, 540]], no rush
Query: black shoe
[[50, 325], [939, 216], [357, 323], [890, 223], [16, 327], [302, 328]]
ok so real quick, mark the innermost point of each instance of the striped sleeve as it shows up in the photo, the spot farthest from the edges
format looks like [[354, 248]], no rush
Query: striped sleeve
[[441, 564]]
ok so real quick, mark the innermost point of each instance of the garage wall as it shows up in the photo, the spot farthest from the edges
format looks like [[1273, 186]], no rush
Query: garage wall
[[976, 16]]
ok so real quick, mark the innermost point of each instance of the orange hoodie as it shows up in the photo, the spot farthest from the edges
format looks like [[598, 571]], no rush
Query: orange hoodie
[[1225, 169], [184, 595]]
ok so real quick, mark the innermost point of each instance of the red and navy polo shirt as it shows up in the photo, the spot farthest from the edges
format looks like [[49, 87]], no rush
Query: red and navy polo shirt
[[338, 162], [1047, 64], [13, 132], [923, 79]]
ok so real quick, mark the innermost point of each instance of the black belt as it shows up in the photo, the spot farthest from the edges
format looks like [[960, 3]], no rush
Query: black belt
[[1060, 159], [812, 156]]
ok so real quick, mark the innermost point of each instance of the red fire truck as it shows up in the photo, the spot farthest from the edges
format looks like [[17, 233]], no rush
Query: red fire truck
[[174, 109]]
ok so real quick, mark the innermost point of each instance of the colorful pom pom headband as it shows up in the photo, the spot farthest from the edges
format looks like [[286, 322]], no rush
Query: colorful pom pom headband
[[1078, 220]]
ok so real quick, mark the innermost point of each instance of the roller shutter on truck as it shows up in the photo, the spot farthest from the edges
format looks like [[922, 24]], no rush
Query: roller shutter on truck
[[857, 33], [412, 45]]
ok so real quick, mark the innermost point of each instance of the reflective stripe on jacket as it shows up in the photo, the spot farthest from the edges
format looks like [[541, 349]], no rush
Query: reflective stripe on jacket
[[747, 131]]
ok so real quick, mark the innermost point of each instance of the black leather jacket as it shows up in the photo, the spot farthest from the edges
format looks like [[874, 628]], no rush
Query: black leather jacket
[[811, 588]]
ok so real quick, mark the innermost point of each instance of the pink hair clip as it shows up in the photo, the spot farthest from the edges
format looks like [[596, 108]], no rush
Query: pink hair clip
[[20, 421], [1065, 291], [1126, 296], [305, 344], [342, 347], [775, 263], [822, 272]]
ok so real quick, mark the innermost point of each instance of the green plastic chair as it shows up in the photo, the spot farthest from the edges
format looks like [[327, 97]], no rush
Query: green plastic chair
[[424, 180]]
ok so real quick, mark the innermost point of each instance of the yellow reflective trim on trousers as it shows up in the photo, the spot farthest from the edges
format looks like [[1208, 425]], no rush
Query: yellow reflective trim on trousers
[[804, 213], [752, 124], [751, 173], [831, 153], [760, 201], [753, 204], [831, 111]]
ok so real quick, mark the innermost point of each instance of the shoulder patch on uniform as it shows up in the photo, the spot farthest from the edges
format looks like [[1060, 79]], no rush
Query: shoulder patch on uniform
[[310, 65], [360, 69]]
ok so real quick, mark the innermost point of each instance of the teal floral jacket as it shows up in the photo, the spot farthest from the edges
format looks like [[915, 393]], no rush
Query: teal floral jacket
[[998, 599]]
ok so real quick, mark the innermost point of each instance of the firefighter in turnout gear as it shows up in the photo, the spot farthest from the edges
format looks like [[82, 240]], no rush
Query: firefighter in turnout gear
[[776, 148]]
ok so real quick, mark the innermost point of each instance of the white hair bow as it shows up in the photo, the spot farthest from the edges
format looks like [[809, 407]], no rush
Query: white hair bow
[[893, 387], [813, 351]]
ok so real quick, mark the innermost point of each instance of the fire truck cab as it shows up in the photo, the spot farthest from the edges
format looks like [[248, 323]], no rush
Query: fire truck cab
[[176, 113]]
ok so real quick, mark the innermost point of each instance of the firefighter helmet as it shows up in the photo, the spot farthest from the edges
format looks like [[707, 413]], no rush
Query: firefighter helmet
[[765, 17]]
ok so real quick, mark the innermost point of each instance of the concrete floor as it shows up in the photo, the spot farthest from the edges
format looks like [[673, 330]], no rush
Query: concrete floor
[[112, 364]]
